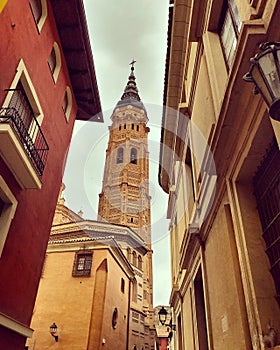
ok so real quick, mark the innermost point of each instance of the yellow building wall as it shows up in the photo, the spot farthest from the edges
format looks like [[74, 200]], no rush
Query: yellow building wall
[[68, 301], [225, 294]]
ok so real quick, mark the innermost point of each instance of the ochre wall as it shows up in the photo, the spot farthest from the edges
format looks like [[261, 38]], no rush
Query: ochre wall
[[81, 309]]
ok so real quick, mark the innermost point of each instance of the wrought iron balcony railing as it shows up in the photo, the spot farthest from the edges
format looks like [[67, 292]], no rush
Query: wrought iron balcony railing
[[29, 134]]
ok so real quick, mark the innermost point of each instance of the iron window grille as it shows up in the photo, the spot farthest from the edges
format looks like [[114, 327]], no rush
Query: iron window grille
[[20, 116], [267, 193], [82, 264]]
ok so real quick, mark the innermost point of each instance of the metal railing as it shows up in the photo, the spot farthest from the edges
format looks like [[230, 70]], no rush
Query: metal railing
[[29, 134]]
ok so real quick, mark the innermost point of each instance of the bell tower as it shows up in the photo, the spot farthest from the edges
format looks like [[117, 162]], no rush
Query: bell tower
[[125, 200], [125, 195]]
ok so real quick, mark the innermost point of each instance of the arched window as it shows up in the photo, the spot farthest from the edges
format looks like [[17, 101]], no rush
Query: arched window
[[40, 12], [115, 318], [137, 127], [134, 290], [120, 155], [129, 254], [120, 126], [67, 102], [134, 258], [133, 156], [54, 61], [132, 126], [140, 262]]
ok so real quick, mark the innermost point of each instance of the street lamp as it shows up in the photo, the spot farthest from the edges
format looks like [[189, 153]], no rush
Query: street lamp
[[53, 330], [162, 315], [265, 74]]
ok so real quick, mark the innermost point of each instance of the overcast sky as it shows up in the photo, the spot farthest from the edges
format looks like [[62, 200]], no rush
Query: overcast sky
[[120, 31]]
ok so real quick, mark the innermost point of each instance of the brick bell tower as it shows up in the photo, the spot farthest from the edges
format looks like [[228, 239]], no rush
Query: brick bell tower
[[125, 195], [125, 198]]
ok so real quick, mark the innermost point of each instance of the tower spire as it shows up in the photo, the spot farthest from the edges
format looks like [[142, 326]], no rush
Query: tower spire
[[130, 94]]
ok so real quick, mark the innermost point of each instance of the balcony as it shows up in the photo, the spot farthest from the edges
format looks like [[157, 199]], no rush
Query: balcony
[[23, 146]]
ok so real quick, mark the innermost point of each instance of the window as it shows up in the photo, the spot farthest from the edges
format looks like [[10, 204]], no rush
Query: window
[[120, 127], [134, 259], [67, 103], [229, 30], [200, 311], [36, 7], [267, 193], [115, 318], [137, 127], [2, 203], [122, 285], [82, 264], [129, 254], [140, 262], [8, 204], [134, 290], [132, 126], [39, 11], [22, 112], [54, 61], [120, 155], [133, 156]]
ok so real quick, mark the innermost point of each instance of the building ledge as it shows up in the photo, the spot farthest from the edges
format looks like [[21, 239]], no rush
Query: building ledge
[[13, 154], [15, 326]]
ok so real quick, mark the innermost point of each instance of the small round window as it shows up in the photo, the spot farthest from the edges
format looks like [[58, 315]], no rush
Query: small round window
[[115, 318]]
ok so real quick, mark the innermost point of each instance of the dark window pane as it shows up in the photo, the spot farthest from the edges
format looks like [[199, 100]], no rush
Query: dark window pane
[[2, 204], [36, 7], [52, 61]]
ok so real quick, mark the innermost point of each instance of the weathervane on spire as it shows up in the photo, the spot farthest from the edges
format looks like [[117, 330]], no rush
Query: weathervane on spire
[[132, 63]]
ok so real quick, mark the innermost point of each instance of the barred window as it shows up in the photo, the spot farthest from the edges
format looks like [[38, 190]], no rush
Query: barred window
[[82, 264], [267, 193]]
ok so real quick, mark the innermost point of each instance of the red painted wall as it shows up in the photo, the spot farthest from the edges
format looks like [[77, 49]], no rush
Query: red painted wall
[[24, 250]]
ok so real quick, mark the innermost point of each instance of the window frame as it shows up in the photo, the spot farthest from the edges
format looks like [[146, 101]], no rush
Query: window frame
[[30, 177], [7, 213], [43, 16], [133, 156], [120, 153], [122, 285], [67, 103], [55, 66], [230, 17], [83, 272]]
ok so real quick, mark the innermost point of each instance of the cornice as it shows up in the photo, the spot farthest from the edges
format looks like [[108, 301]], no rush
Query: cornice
[[97, 231]]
